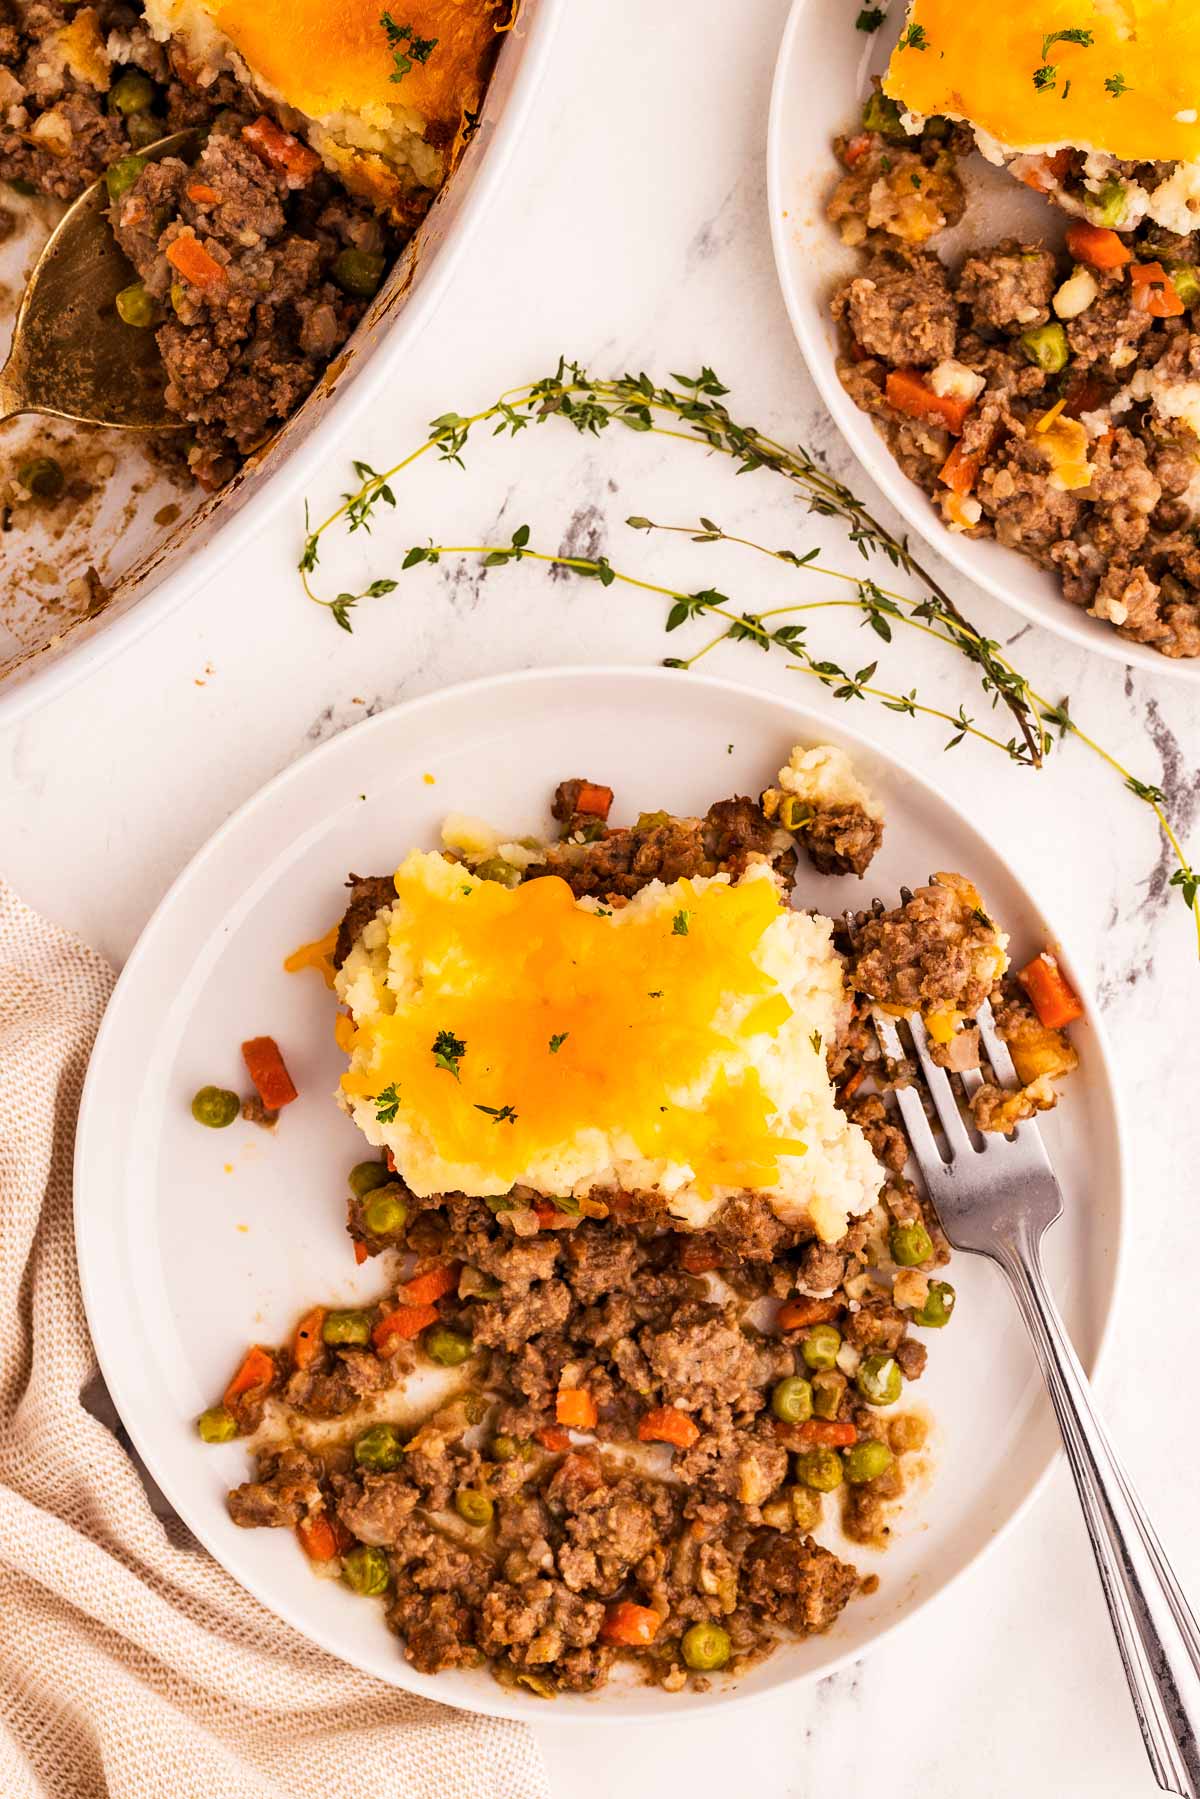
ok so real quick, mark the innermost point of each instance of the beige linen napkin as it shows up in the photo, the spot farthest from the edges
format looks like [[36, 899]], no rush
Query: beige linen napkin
[[130, 1663]]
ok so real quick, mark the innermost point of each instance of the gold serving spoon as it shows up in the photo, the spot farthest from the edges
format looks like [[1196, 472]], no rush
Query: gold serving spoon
[[72, 354]]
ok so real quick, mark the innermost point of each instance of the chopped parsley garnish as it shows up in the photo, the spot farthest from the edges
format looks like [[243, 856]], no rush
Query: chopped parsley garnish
[[499, 1114], [870, 18], [914, 37], [1046, 78], [448, 1051], [1074, 35], [979, 913], [1116, 85], [557, 1041], [387, 1104], [407, 47], [679, 924], [816, 1040]]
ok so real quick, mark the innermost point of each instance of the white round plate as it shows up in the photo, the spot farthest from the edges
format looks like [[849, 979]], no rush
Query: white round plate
[[822, 77], [193, 1243]]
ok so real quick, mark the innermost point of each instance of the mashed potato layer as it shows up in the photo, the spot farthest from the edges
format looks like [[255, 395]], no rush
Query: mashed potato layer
[[676, 1045], [379, 127], [824, 778]]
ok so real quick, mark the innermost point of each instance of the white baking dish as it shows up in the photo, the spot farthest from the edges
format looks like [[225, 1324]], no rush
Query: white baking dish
[[43, 649]]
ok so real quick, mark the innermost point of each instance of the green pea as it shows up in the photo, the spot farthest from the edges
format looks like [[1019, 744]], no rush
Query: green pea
[[366, 1176], [43, 477], [216, 1107], [346, 1327], [495, 868], [939, 1304], [910, 1244], [135, 307], [217, 1425], [473, 1507], [866, 1461], [706, 1647], [358, 272], [379, 1449], [449, 1347], [1046, 345], [883, 115], [820, 1347], [820, 1468], [131, 92], [120, 176], [792, 1400], [652, 821], [365, 1570], [504, 1449], [1186, 281], [1107, 207], [144, 128], [879, 1379], [385, 1212]]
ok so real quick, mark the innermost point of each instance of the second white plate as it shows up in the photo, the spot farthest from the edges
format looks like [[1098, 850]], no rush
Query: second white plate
[[821, 80], [193, 1243]]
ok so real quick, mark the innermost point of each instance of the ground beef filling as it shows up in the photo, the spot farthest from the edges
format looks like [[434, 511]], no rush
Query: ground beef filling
[[573, 1528], [252, 308], [938, 951], [246, 338], [1078, 447]]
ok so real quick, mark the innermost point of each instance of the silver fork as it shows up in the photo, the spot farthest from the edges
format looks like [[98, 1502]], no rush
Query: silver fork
[[996, 1196]]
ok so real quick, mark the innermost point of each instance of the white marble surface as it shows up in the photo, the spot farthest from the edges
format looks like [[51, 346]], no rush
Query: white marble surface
[[634, 235]]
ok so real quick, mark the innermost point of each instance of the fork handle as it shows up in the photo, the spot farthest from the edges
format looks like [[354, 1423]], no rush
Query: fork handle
[[1152, 1621]]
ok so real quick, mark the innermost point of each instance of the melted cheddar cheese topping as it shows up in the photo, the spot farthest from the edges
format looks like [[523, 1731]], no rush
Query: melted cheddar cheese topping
[[1124, 80], [330, 56], [526, 1038], [643, 1015]]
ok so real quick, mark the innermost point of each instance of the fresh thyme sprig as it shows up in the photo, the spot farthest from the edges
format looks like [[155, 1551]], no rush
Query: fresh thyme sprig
[[697, 416]]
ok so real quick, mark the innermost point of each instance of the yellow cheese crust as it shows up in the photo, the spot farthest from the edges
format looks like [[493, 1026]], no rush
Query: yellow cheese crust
[[333, 56], [980, 64]]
